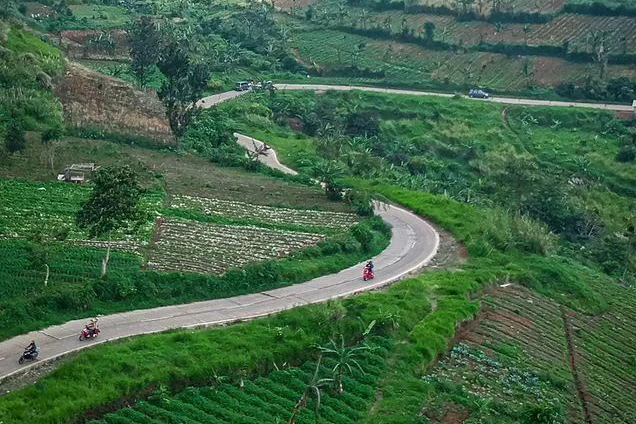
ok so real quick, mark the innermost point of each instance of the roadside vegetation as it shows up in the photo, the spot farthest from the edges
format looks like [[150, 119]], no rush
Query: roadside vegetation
[[549, 170], [580, 49], [534, 327], [419, 317], [41, 241]]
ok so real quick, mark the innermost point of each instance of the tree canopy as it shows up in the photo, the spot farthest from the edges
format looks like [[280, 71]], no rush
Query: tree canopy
[[114, 202]]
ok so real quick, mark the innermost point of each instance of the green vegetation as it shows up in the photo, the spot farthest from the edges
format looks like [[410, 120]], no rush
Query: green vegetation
[[434, 145], [26, 103], [205, 355], [113, 205], [93, 16], [272, 398], [504, 46], [542, 199], [398, 147], [602, 7], [40, 241]]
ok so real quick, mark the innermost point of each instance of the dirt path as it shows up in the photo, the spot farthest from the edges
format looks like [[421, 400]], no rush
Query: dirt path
[[579, 382]]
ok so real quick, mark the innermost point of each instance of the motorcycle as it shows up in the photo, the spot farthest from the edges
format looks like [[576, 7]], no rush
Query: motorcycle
[[29, 356], [88, 333], [367, 274]]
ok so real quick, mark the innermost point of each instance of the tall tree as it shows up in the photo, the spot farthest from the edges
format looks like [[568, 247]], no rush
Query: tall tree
[[112, 206], [49, 139], [145, 43], [429, 31], [15, 138], [183, 87]]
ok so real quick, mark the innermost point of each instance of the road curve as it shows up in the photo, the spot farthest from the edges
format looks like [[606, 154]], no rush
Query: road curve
[[217, 98], [414, 242]]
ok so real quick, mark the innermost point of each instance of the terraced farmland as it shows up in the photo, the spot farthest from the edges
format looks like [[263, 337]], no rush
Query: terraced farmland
[[264, 214], [67, 265], [210, 248], [515, 357], [575, 29], [402, 62], [265, 400], [618, 6], [486, 7], [606, 355], [49, 208], [29, 206]]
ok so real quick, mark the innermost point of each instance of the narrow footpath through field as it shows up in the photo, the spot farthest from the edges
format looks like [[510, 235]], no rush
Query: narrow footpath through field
[[414, 242]]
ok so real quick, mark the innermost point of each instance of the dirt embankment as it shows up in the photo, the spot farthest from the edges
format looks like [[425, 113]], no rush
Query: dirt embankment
[[93, 100], [93, 44]]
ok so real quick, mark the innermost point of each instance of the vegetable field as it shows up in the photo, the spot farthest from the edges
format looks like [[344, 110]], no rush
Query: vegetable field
[[515, 358], [264, 214], [621, 6], [32, 208], [606, 355], [486, 7], [401, 62], [20, 275], [264, 400], [575, 29], [28, 207], [210, 248]]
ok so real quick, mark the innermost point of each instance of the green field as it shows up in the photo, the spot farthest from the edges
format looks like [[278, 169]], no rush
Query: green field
[[526, 315], [289, 220], [564, 249], [269, 399]]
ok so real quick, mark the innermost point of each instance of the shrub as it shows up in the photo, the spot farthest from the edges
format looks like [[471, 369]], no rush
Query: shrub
[[626, 154], [547, 412], [15, 138], [505, 231]]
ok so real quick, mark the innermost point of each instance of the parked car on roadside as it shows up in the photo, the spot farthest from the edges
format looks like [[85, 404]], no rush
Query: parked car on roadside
[[242, 86], [478, 94]]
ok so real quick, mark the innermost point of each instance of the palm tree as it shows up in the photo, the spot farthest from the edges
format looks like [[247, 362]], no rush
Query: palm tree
[[327, 172], [346, 360], [313, 389]]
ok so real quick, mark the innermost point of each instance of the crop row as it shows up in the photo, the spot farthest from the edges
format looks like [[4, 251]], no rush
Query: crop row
[[606, 354], [268, 214], [68, 264], [514, 355], [211, 248], [572, 28], [130, 246], [403, 61], [486, 7], [30, 207], [264, 400]]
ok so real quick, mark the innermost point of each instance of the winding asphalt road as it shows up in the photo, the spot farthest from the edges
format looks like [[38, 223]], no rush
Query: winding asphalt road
[[211, 100], [413, 244]]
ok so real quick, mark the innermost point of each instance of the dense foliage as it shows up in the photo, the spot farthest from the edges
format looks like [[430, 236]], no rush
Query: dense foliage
[[430, 145], [26, 69]]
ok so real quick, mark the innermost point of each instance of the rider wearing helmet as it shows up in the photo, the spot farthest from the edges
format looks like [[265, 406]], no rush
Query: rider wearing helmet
[[30, 349], [369, 265], [91, 326]]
